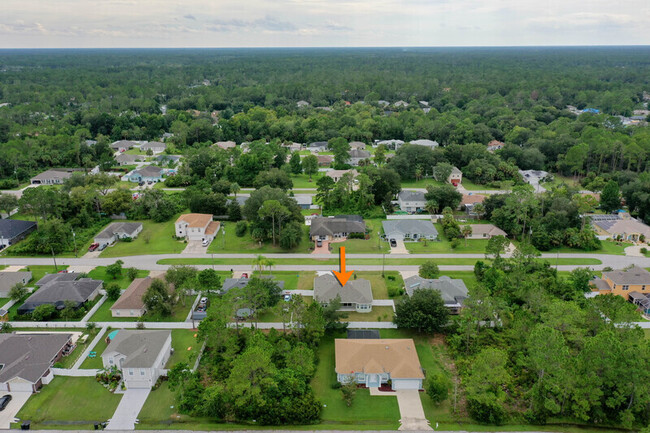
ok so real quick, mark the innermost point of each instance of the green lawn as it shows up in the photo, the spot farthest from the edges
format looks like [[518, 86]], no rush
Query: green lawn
[[302, 180], [182, 340], [298, 280], [246, 244], [39, 271], [155, 238], [378, 314], [68, 361], [99, 273], [608, 247], [81, 400], [422, 183], [4, 301], [96, 362], [179, 313], [467, 276], [359, 246], [474, 246]]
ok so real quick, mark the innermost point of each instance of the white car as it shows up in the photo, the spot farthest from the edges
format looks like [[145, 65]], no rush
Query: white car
[[205, 242]]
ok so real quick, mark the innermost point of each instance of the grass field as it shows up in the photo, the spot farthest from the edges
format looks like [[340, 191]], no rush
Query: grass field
[[185, 346], [372, 245], [608, 247], [160, 241], [302, 180], [474, 246], [70, 399], [179, 313], [99, 273], [298, 280], [39, 271], [246, 244]]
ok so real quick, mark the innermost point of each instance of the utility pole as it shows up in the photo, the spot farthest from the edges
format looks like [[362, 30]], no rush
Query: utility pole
[[383, 263], [223, 230], [74, 237], [54, 258]]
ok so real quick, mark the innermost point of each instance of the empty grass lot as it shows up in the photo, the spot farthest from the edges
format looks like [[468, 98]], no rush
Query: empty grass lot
[[179, 313], [81, 400], [298, 280], [99, 273], [371, 245], [474, 246], [161, 241], [245, 244]]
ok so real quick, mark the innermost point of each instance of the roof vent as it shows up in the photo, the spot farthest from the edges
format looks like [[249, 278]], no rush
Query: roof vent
[[386, 347]]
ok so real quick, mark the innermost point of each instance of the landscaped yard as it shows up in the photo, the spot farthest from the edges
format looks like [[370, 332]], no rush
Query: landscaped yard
[[99, 273], [302, 180], [75, 402], [39, 271], [155, 238], [185, 346], [378, 314], [68, 361], [96, 362], [245, 244], [359, 246]]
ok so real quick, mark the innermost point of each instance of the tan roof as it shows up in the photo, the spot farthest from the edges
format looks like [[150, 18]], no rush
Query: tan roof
[[339, 173], [624, 227], [489, 229], [131, 299], [472, 199], [395, 356], [212, 228], [195, 219]]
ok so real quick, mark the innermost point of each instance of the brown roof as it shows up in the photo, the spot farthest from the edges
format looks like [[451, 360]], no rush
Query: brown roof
[[472, 199], [395, 356], [489, 229], [195, 219], [131, 299], [212, 228], [325, 159]]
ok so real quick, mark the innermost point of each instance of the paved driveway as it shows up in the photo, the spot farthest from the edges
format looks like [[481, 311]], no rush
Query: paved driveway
[[8, 415], [195, 247], [127, 411], [400, 248], [411, 411]]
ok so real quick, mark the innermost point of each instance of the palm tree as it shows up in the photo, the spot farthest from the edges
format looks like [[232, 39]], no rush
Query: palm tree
[[467, 231], [234, 188], [269, 264], [431, 206], [260, 261]]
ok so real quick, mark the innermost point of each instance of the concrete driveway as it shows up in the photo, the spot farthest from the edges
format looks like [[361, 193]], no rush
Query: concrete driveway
[[400, 248], [8, 415], [411, 411], [195, 247], [127, 411]]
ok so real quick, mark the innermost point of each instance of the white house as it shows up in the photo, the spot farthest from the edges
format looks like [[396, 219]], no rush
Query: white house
[[154, 146], [116, 231], [140, 355], [374, 362], [338, 174], [485, 231], [196, 227], [356, 295], [426, 143], [411, 201], [404, 229], [456, 176]]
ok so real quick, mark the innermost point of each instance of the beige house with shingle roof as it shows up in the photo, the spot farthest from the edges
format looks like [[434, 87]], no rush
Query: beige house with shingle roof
[[196, 227], [373, 362], [130, 304], [613, 226], [356, 295], [485, 231]]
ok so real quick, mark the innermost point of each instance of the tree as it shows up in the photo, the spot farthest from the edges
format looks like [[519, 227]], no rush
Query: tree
[[275, 178], [18, 292], [467, 232], [234, 188], [485, 384], [348, 392], [209, 280], [496, 246], [437, 386], [291, 235], [424, 311], [444, 196], [310, 165], [277, 212], [132, 273], [294, 163], [442, 171], [429, 270], [117, 202], [341, 150], [115, 269], [157, 299], [43, 312], [8, 202], [183, 278], [380, 154], [610, 197], [113, 291], [69, 311]]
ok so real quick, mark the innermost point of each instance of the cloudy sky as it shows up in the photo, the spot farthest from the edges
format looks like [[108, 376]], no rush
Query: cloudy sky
[[304, 23]]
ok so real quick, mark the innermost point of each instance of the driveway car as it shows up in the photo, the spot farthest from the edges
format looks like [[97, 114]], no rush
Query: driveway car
[[393, 243], [93, 247], [4, 401]]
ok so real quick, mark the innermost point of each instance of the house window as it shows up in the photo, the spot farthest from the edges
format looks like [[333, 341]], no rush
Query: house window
[[110, 361], [142, 372], [626, 287], [130, 372], [117, 312], [643, 287]]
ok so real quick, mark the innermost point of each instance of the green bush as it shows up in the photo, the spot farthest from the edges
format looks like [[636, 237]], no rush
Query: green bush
[[486, 408], [356, 236], [437, 387], [241, 228]]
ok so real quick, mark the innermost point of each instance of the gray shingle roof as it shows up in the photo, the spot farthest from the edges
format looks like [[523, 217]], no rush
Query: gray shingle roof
[[63, 173], [141, 348], [9, 229], [341, 224], [57, 292], [327, 287], [122, 144], [121, 228], [634, 275], [451, 291], [9, 279], [29, 356], [420, 227], [411, 195], [358, 153], [48, 278], [240, 283], [149, 171], [153, 145]]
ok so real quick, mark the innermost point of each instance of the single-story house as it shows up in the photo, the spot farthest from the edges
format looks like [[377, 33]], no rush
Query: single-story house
[[453, 291], [495, 145], [426, 143], [372, 362], [357, 145], [293, 147], [303, 200], [154, 146], [338, 174], [390, 144], [240, 283], [409, 229], [127, 159], [122, 145], [130, 303], [166, 159], [357, 155], [302, 104], [402, 104], [26, 359], [53, 176], [620, 226], [60, 289], [534, 177], [141, 355], [318, 146], [411, 201], [469, 202], [356, 295], [485, 231], [64, 276], [9, 279], [196, 227], [150, 173], [325, 160], [225, 145], [339, 226], [455, 177], [12, 231], [116, 231]]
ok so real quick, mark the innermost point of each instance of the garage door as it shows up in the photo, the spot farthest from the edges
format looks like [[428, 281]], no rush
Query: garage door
[[20, 386], [406, 384], [138, 384], [3, 386]]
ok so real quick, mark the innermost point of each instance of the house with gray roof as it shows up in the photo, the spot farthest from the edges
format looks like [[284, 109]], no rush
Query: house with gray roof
[[127, 159], [26, 359], [411, 201], [426, 143], [154, 146], [358, 155], [356, 295], [357, 145], [391, 144], [150, 173], [119, 230], [240, 283], [619, 226], [64, 276], [9, 279], [122, 145], [12, 231], [404, 229], [452, 291], [53, 176], [60, 289], [141, 355], [339, 226]]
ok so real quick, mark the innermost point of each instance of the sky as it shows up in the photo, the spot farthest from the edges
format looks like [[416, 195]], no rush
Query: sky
[[320, 23]]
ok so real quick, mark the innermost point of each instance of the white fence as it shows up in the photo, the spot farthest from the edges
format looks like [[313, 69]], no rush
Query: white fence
[[411, 217], [74, 372]]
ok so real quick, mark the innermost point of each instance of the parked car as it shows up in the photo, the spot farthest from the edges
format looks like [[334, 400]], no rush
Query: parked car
[[205, 242], [244, 275], [102, 247], [319, 243], [93, 247], [393, 243], [4, 401], [203, 301], [287, 297]]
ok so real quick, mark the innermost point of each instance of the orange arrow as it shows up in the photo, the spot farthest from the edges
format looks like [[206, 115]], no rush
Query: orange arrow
[[342, 276]]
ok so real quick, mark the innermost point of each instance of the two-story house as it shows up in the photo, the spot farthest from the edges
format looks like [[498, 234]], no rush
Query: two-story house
[[196, 227], [411, 201]]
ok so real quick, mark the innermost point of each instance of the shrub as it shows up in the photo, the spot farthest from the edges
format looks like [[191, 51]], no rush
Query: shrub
[[486, 408], [455, 243], [131, 273], [395, 291], [357, 236], [437, 387], [139, 325], [113, 291], [644, 250], [43, 312], [241, 228]]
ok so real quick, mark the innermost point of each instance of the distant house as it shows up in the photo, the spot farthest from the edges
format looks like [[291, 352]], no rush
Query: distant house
[[374, 362], [495, 145], [401, 104], [12, 231], [453, 291], [130, 303], [318, 146], [27, 359], [154, 146], [196, 227], [140, 355], [356, 156], [325, 160], [127, 159], [60, 289], [456, 176], [336, 175], [150, 173], [411, 201], [302, 104], [9, 279], [534, 177], [485, 231], [409, 229], [619, 226], [391, 144], [122, 145], [383, 103], [356, 295], [166, 159], [424, 103], [470, 201], [633, 284], [53, 176], [357, 145], [293, 147], [303, 200], [336, 227], [240, 283], [426, 143], [116, 231], [225, 145]]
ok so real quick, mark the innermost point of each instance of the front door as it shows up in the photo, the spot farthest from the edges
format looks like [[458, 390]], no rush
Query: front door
[[373, 381]]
